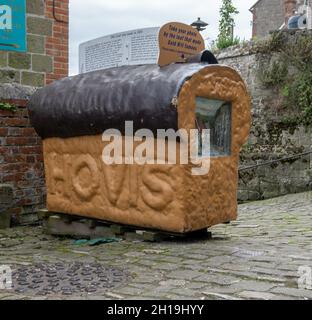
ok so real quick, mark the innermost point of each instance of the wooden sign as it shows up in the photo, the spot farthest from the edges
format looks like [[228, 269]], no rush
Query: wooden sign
[[177, 42]]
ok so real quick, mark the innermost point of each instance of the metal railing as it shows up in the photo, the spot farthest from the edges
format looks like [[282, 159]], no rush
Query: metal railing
[[267, 163]]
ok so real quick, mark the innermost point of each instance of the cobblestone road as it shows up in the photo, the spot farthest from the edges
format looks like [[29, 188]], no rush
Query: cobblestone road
[[256, 257]]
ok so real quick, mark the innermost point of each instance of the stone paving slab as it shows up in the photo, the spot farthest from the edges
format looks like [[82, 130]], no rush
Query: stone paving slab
[[256, 257]]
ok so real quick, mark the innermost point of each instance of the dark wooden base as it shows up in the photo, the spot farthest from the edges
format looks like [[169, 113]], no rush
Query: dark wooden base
[[59, 224]]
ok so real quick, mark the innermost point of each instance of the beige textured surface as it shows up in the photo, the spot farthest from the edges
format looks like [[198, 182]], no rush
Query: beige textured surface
[[165, 197], [212, 199]]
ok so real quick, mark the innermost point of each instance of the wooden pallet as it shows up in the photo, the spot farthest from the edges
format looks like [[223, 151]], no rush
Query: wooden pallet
[[59, 224]]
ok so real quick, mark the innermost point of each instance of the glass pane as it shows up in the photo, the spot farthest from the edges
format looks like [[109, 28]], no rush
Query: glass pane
[[216, 116]]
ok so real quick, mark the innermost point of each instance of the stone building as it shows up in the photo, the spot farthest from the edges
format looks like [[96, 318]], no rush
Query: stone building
[[270, 15], [21, 73]]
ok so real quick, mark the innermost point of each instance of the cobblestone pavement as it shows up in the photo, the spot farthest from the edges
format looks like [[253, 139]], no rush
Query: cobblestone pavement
[[256, 257]]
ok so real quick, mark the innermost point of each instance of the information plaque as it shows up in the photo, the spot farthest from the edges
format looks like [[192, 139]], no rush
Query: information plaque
[[126, 48]]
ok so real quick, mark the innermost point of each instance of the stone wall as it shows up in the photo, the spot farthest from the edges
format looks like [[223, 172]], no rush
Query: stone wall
[[46, 59], [270, 137]]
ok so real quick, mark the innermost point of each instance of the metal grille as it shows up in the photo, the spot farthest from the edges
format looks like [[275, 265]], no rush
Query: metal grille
[[66, 279]]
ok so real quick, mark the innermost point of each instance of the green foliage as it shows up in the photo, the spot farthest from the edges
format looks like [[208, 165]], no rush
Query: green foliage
[[285, 91], [300, 95], [226, 25], [274, 75], [273, 44], [295, 87], [7, 106], [247, 148], [223, 43], [290, 121]]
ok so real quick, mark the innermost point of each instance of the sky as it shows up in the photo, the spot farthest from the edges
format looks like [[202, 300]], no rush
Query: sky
[[96, 18]]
